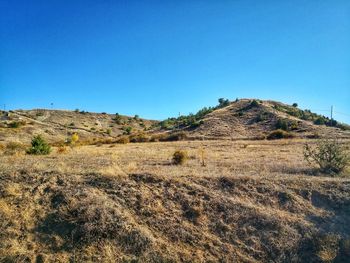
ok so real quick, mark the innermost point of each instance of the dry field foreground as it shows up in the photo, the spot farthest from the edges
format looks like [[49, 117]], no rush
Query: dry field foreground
[[253, 201]]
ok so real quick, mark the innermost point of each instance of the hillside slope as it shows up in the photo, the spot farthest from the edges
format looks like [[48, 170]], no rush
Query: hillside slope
[[56, 125], [248, 118]]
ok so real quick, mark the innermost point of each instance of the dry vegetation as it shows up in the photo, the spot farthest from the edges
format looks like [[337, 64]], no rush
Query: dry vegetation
[[232, 201]]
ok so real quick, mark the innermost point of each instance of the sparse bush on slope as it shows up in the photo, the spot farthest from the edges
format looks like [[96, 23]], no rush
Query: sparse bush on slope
[[180, 157], [39, 146], [329, 155], [279, 134]]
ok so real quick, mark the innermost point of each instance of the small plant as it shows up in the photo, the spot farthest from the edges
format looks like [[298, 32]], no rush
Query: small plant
[[329, 155], [180, 157], [279, 134], [74, 139], [295, 105], [16, 124], [202, 156], [39, 146], [127, 130], [109, 131]]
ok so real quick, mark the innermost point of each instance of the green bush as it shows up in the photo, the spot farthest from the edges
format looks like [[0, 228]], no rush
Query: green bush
[[16, 124], [223, 102], [279, 134], [180, 157], [282, 125], [127, 130], [39, 146], [320, 121], [254, 104], [329, 155]]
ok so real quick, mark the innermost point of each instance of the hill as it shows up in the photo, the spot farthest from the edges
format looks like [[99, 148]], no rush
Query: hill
[[57, 125], [254, 119], [240, 119]]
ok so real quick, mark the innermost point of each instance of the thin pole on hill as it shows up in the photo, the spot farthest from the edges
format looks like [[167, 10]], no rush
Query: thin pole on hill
[[332, 115]]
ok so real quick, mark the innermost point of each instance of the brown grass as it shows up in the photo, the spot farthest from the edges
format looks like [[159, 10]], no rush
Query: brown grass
[[252, 201]]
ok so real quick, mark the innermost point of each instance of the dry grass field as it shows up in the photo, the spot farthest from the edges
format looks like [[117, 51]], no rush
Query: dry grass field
[[232, 201]]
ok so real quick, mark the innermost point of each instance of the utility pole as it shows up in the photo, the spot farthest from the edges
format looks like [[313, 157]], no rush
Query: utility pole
[[332, 115]]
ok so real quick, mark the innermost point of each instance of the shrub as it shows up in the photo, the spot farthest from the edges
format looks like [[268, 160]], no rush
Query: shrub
[[295, 105], [282, 124], [61, 149], [141, 137], [223, 102], [320, 121], [123, 140], [180, 157], [158, 137], [39, 146], [254, 103], [127, 130], [74, 138], [109, 131], [16, 124], [279, 134], [178, 136], [329, 155]]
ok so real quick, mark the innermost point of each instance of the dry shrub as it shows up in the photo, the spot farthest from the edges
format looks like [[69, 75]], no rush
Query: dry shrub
[[141, 137], [180, 157], [16, 124], [178, 136], [62, 149], [123, 140], [158, 137], [14, 148], [279, 134], [329, 155], [327, 247]]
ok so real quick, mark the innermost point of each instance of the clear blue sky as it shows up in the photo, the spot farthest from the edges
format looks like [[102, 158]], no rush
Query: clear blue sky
[[159, 58]]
